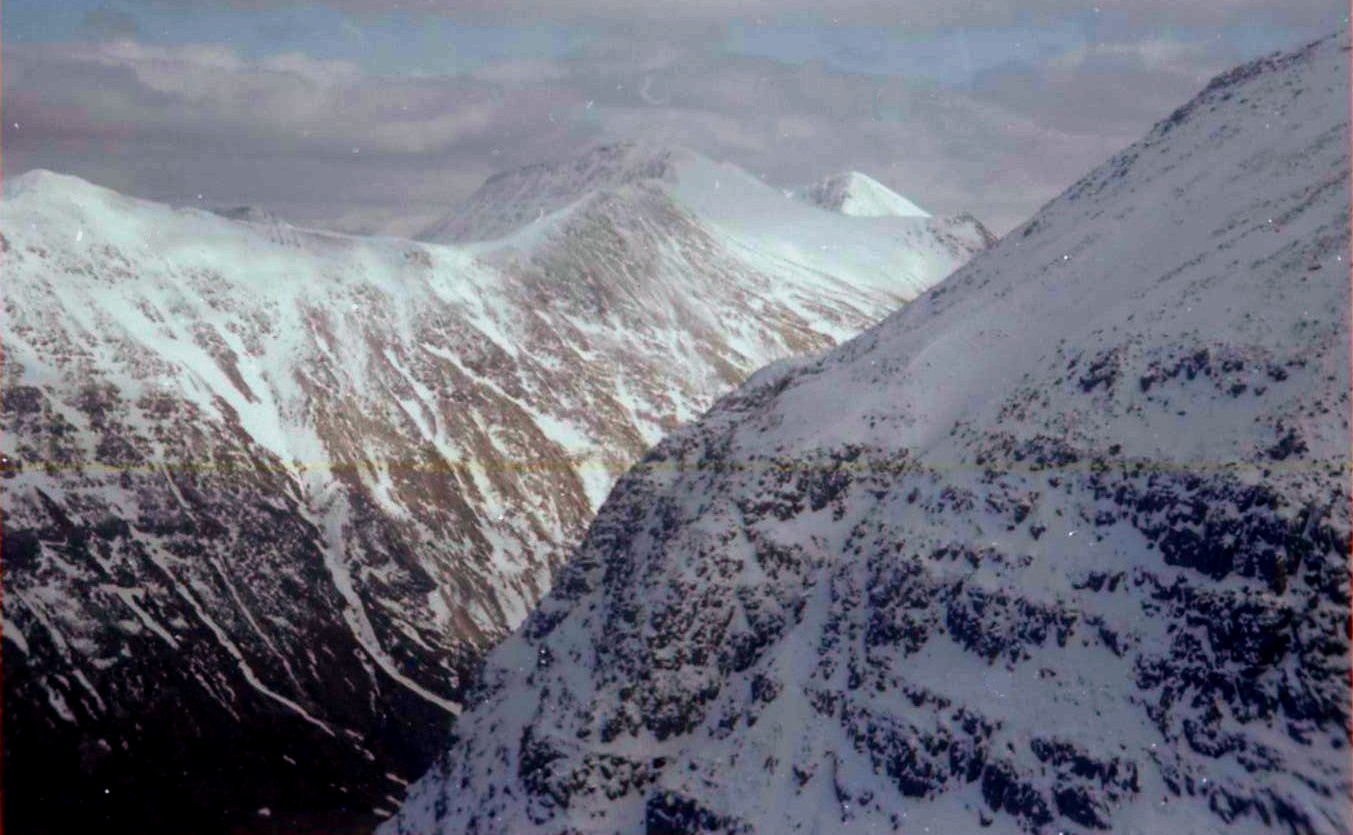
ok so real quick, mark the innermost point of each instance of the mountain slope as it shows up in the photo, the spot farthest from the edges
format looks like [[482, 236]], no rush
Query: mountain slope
[[756, 222], [1062, 546], [853, 193], [512, 199], [268, 492]]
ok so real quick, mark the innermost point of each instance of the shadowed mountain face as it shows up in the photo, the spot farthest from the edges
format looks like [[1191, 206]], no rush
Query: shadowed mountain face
[[1062, 546], [269, 493]]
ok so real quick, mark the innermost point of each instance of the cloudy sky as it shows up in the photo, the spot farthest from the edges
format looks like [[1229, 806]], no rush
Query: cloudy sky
[[365, 115]]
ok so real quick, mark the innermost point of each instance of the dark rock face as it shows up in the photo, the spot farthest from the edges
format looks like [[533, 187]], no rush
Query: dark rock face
[[1061, 547], [141, 642], [671, 814]]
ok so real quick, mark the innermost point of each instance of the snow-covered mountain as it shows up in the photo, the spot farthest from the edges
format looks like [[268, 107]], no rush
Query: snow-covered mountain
[[1061, 547], [269, 492], [735, 208], [853, 193]]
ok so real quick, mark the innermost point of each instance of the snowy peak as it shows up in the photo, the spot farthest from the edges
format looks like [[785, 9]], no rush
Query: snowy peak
[[853, 193], [509, 200], [716, 192], [45, 185], [673, 189], [601, 167], [52, 195]]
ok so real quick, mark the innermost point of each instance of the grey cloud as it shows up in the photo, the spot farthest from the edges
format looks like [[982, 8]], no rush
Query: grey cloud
[[209, 95], [109, 23], [1108, 89], [319, 141], [906, 13], [518, 72], [326, 143]]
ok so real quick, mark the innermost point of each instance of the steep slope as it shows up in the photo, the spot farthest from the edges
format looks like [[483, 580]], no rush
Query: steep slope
[[853, 193], [1060, 547], [268, 492]]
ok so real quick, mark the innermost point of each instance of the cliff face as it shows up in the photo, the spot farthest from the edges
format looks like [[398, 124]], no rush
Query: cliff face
[[1062, 546]]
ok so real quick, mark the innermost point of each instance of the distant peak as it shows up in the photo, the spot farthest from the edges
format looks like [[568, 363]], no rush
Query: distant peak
[[511, 199], [602, 165], [249, 214], [43, 181], [853, 193]]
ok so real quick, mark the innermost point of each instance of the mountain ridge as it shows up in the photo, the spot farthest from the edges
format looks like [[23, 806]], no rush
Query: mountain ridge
[[269, 491], [1061, 546]]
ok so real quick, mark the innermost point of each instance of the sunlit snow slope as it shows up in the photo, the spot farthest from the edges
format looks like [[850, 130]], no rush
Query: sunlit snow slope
[[853, 193], [1061, 547], [268, 493]]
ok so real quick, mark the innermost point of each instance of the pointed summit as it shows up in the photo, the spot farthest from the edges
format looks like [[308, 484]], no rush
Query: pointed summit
[[853, 193]]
